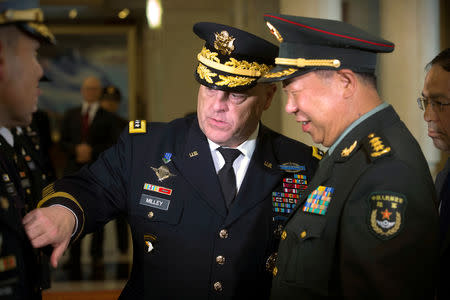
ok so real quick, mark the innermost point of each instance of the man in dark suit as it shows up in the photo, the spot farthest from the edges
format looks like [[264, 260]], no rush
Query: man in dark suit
[[369, 210], [23, 272], [436, 93], [85, 133], [205, 224]]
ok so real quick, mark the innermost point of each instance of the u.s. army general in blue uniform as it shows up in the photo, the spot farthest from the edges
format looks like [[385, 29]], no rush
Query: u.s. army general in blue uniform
[[367, 227], [188, 242]]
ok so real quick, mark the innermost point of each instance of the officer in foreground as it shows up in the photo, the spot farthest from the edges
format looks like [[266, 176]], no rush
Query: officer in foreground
[[22, 269], [205, 196], [367, 226]]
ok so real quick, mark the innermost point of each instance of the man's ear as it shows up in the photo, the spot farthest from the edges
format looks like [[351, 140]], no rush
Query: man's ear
[[271, 88], [348, 82]]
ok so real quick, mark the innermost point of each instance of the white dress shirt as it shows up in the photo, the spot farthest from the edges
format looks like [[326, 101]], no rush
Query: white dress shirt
[[240, 164]]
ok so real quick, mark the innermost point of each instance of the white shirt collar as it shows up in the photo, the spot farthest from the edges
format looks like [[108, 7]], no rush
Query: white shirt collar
[[247, 148], [7, 135]]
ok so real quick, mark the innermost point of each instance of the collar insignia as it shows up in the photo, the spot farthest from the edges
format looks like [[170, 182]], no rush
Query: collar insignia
[[193, 153], [347, 151], [162, 172], [268, 164], [224, 42]]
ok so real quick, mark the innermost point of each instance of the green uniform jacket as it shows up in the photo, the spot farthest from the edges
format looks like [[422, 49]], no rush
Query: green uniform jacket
[[377, 237]]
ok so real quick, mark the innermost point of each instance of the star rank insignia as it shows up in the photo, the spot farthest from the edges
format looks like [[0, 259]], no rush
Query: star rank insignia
[[137, 126], [386, 214]]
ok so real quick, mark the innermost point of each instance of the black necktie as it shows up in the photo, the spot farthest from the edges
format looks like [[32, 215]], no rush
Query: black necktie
[[226, 174], [444, 216]]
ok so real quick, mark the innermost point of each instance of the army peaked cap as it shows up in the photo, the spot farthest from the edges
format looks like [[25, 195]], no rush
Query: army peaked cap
[[232, 59], [309, 44], [27, 16]]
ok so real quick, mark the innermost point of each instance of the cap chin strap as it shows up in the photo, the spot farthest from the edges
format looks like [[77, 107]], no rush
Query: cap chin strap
[[302, 62], [26, 15]]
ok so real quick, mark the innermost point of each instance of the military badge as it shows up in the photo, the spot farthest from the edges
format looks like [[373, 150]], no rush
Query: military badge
[[5, 177], [271, 262], [376, 146], [158, 189], [137, 126], [167, 157], [149, 240], [193, 153], [7, 263], [224, 42], [275, 32], [347, 151], [386, 214], [319, 200], [292, 167], [162, 172]]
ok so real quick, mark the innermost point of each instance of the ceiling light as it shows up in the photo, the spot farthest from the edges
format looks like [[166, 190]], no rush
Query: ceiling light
[[154, 12], [123, 13]]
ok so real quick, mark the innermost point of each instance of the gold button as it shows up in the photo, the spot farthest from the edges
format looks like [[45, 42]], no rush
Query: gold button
[[284, 235], [43, 176], [220, 260], [150, 214], [223, 233], [275, 271], [303, 234], [218, 286]]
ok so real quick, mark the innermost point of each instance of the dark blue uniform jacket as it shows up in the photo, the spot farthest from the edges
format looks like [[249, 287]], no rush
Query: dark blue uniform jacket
[[185, 244]]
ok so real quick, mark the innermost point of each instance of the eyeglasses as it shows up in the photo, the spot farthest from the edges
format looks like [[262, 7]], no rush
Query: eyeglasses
[[435, 104]]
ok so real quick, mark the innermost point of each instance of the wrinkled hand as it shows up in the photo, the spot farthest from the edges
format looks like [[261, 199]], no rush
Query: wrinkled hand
[[83, 153], [52, 225]]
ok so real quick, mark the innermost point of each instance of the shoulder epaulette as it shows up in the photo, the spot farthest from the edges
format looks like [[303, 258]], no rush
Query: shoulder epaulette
[[317, 153], [376, 147], [137, 126]]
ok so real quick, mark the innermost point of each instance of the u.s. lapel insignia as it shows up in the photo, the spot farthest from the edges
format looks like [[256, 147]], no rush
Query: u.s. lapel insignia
[[193, 153], [386, 214], [224, 42], [292, 167], [319, 200], [162, 172], [4, 203], [167, 157], [275, 32], [347, 151], [268, 164], [149, 240]]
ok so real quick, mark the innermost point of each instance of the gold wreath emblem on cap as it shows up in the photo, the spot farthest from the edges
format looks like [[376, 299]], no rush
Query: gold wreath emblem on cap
[[275, 32], [224, 42]]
